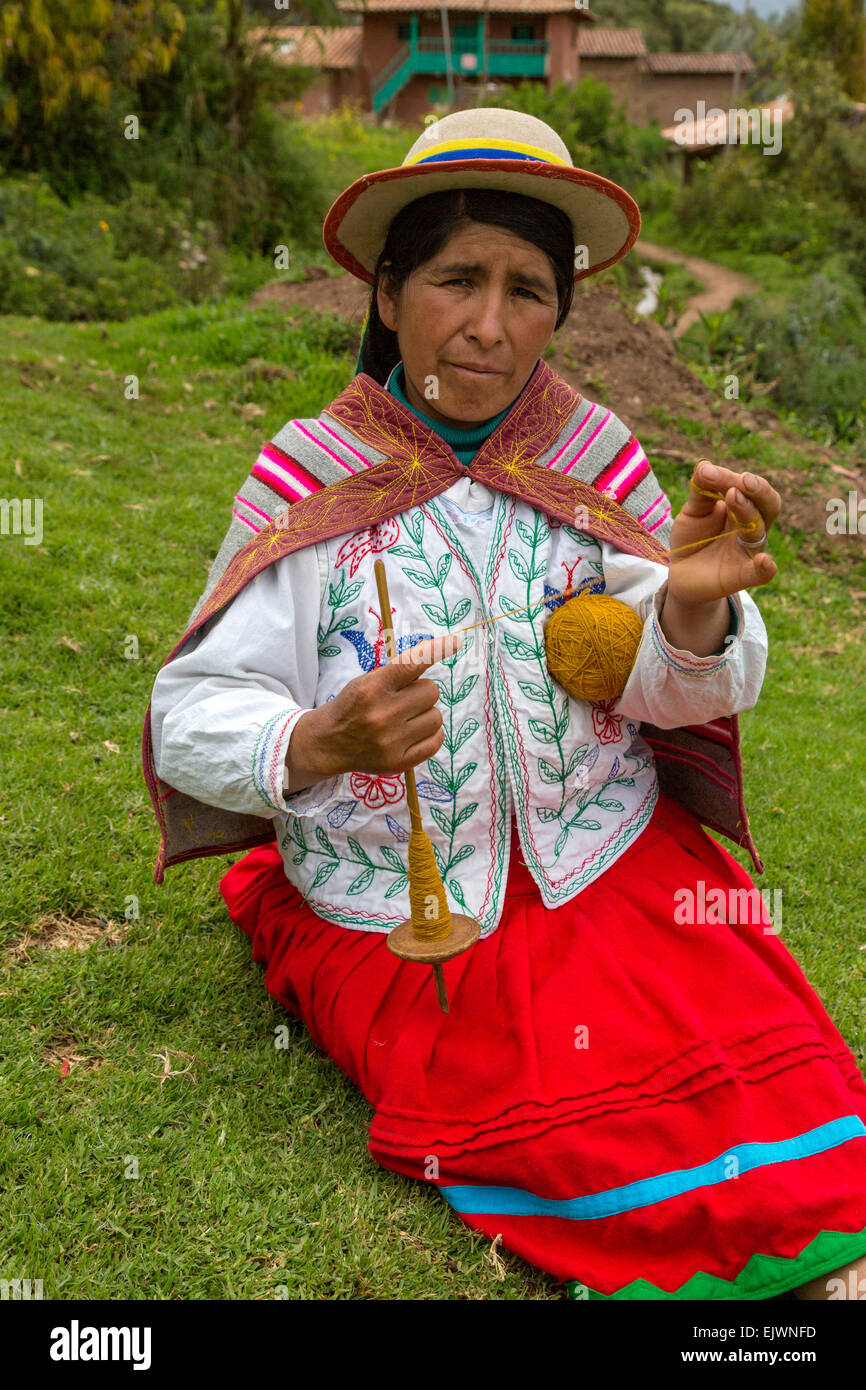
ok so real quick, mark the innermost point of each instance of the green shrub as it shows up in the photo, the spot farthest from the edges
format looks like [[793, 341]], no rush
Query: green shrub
[[741, 201], [99, 260], [595, 130], [812, 344]]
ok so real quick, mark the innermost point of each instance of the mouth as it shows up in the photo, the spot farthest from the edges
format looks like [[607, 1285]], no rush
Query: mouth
[[473, 373]]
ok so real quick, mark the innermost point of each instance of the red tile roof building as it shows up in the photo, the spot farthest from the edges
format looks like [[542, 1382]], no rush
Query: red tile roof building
[[391, 58]]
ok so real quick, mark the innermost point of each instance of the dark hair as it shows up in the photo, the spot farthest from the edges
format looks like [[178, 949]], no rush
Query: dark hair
[[421, 229]]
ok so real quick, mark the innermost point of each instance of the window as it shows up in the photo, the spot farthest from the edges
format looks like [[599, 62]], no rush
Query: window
[[464, 37], [404, 29], [522, 33]]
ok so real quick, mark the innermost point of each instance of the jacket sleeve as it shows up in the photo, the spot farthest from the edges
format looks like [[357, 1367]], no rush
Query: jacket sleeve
[[224, 710], [671, 687]]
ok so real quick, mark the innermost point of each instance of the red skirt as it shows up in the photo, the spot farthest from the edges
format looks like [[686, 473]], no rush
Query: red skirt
[[649, 1107]]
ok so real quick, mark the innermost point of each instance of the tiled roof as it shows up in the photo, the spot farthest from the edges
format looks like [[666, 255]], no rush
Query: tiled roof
[[661, 63], [500, 6], [612, 43], [311, 46]]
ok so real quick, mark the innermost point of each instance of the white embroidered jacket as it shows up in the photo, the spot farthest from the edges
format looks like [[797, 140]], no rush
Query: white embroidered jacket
[[578, 775]]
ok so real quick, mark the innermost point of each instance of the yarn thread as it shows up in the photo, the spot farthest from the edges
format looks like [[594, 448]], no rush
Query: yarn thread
[[591, 642], [425, 884]]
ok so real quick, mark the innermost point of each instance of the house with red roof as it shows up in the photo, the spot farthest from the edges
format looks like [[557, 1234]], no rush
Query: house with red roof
[[401, 62], [654, 86]]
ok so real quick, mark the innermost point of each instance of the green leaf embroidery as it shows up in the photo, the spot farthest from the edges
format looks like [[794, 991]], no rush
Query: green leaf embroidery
[[393, 858], [463, 774], [577, 756], [463, 853], [441, 820], [457, 891], [435, 614], [442, 568], [323, 873], [466, 730], [414, 521], [517, 647], [465, 688], [542, 731], [465, 813], [517, 565], [562, 721], [611, 805], [548, 772], [329, 651], [361, 882], [460, 610], [358, 850], [424, 581], [325, 843], [439, 773], [397, 886], [587, 824], [533, 692]]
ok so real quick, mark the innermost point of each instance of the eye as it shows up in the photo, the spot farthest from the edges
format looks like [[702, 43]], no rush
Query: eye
[[524, 290]]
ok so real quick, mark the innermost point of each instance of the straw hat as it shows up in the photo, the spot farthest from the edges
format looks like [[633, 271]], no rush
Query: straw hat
[[487, 147]]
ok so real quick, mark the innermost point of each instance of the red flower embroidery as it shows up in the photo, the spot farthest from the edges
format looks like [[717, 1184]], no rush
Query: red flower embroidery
[[607, 726], [371, 540], [376, 791]]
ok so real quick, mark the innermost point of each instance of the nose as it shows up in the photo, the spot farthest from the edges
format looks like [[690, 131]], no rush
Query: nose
[[486, 322]]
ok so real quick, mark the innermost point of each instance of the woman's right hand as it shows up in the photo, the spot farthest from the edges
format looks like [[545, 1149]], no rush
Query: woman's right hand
[[384, 721]]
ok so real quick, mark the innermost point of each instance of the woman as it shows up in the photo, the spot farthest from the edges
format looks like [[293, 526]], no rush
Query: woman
[[647, 1100]]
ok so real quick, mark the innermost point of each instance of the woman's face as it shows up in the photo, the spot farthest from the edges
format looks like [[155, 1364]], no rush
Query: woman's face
[[472, 322]]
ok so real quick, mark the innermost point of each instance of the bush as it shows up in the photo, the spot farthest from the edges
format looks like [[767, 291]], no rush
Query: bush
[[98, 260], [594, 129], [811, 344], [736, 201]]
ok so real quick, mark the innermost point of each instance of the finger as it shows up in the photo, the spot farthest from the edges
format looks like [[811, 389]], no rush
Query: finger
[[421, 728], [705, 479], [748, 521], [764, 496], [412, 662], [757, 570], [420, 752], [416, 698]]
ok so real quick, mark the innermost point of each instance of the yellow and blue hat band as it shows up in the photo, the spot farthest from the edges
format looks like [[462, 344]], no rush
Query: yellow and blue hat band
[[483, 149]]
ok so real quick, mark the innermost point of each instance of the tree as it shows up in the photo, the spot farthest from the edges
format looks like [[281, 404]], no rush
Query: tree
[[836, 30], [52, 54]]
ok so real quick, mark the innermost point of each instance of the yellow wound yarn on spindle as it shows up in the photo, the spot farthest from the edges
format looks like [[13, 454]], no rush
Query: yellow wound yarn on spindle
[[591, 643], [424, 883]]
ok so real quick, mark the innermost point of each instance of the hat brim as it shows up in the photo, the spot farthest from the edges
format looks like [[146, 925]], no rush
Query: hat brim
[[604, 217]]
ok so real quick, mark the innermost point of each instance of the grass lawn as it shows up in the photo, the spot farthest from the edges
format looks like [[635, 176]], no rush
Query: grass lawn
[[177, 1152]]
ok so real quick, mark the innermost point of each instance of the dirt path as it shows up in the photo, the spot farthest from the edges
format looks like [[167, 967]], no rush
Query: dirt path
[[721, 286]]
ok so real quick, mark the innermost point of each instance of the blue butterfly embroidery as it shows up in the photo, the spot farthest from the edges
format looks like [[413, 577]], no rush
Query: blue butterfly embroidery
[[367, 652], [553, 598]]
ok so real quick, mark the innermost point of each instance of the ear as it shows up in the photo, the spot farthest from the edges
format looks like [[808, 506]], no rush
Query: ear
[[385, 301]]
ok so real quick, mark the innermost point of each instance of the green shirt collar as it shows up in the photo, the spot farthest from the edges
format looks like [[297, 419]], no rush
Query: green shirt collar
[[465, 443]]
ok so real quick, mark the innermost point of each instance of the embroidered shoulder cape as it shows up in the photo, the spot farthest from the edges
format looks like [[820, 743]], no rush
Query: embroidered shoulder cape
[[367, 458]]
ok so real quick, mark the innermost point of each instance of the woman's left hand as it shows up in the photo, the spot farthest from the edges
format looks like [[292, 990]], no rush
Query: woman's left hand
[[706, 573]]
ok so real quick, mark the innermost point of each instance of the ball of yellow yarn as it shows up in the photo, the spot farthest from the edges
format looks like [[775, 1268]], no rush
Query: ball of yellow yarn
[[591, 643]]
